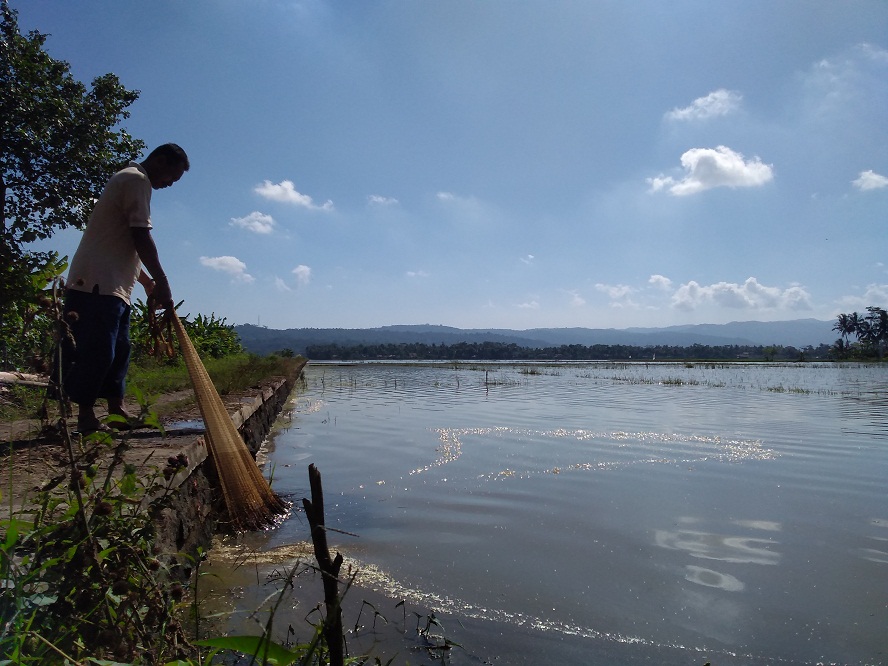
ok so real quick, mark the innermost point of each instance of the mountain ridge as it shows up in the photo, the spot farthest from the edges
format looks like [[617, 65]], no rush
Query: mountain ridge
[[792, 333]]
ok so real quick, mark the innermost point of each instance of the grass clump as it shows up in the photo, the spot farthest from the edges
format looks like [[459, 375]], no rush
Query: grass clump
[[17, 401], [229, 374]]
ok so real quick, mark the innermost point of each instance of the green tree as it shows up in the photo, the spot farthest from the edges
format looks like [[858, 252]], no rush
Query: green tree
[[843, 326], [877, 328], [59, 143], [871, 331]]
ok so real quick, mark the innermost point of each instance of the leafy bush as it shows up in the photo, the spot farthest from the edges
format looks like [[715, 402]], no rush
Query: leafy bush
[[80, 574], [211, 337], [27, 321]]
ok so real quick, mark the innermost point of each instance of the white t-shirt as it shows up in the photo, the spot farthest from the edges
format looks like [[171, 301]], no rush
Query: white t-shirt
[[106, 260]]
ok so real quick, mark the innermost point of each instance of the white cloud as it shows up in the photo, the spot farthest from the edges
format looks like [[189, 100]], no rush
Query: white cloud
[[870, 180], [874, 294], [302, 273], [527, 259], [231, 265], [285, 192], [417, 274], [620, 295], [281, 285], [877, 294], [615, 291], [874, 53], [660, 182], [468, 213], [844, 81], [377, 200], [576, 301], [530, 305], [718, 103], [460, 200], [258, 223], [660, 281], [749, 295], [706, 168]]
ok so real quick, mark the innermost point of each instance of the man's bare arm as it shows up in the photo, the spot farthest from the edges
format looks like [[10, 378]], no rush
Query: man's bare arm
[[147, 251]]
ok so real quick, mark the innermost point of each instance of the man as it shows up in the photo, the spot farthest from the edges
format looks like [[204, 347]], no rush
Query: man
[[115, 246]]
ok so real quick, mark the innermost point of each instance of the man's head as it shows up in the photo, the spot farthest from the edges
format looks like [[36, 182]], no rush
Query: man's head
[[165, 165]]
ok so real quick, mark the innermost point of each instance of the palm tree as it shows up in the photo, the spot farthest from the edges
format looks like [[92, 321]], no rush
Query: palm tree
[[842, 326], [877, 324], [856, 324]]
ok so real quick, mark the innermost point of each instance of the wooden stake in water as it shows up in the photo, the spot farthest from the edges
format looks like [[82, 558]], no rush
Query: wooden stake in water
[[329, 566]]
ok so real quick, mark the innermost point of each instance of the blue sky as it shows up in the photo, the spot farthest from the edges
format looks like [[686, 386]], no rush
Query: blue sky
[[505, 164]]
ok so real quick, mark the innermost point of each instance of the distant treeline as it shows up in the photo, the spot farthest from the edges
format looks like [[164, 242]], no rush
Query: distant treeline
[[499, 351]]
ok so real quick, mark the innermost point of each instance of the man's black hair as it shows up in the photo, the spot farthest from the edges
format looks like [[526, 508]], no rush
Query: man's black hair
[[172, 153]]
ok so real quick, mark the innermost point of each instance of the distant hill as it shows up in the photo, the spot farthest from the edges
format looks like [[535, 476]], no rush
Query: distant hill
[[795, 333]]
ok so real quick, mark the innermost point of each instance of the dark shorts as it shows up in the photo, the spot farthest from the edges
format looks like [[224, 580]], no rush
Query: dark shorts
[[95, 365]]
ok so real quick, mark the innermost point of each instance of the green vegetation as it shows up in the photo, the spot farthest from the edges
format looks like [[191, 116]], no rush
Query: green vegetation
[[80, 574], [84, 582], [60, 142], [870, 331], [229, 374], [500, 351], [17, 402], [212, 338]]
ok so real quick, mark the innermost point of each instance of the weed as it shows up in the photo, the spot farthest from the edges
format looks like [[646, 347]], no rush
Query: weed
[[17, 401], [81, 576]]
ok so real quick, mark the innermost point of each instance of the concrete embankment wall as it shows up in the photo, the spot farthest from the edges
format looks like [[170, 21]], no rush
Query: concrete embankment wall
[[195, 508]]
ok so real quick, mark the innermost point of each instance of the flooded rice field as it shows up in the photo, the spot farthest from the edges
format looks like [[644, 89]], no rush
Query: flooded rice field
[[600, 513]]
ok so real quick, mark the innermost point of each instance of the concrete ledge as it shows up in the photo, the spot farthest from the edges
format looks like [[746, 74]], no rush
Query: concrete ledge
[[194, 508]]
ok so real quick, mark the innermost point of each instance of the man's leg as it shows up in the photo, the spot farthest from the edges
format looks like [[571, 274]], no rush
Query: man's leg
[[114, 386], [95, 331]]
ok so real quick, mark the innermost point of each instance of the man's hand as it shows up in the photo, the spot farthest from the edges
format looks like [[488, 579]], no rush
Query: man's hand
[[161, 293], [146, 282]]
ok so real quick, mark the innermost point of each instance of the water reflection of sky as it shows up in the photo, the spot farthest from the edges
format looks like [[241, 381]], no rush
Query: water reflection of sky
[[682, 510]]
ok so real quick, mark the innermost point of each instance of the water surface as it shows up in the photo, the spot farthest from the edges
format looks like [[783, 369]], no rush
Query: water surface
[[611, 513]]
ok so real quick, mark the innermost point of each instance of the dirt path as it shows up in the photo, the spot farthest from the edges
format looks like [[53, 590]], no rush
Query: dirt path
[[31, 455]]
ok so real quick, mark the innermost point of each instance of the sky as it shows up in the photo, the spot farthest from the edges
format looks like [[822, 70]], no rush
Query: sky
[[505, 164]]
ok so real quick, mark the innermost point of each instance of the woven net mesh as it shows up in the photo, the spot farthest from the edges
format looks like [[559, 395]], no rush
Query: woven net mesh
[[248, 497]]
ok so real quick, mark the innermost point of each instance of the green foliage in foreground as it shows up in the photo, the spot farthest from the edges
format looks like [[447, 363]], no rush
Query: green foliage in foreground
[[81, 578], [26, 325], [212, 337], [83, 582]]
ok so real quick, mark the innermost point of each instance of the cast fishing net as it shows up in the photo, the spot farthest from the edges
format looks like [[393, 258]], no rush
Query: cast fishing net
[[249, 499]]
